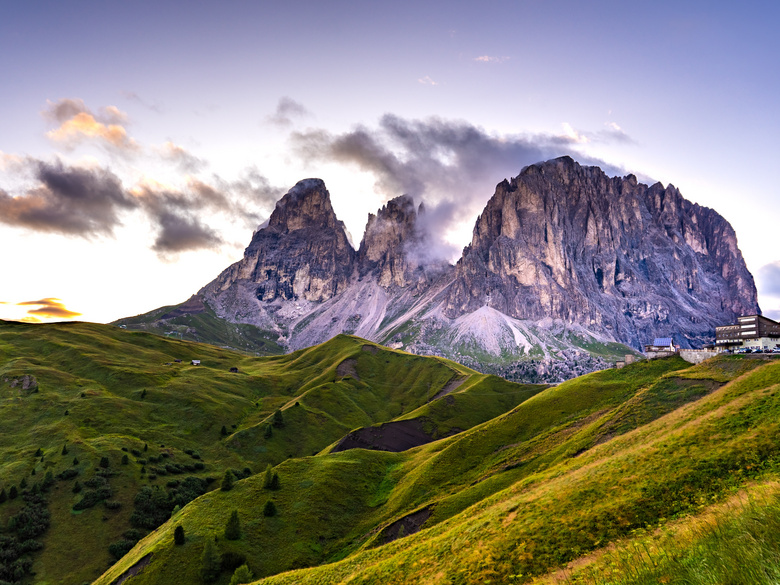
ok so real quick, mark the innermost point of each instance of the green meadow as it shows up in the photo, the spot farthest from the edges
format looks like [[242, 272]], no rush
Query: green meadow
[[659, 472]]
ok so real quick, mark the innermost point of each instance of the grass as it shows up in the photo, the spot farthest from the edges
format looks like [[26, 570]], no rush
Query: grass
[[105, 391]]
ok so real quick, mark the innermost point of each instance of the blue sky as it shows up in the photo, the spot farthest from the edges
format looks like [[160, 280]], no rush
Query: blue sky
[[184, 122]]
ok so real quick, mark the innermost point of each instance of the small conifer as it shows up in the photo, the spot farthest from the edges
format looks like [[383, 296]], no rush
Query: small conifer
[[275, 484], [3, 496], [178, 535], [104, 462], [227, 481], [210, 563], [12, 493], [75, 461], [125, 459], [76, 487], [39, 452], [224, 431], [268, 476], [233, 526], [146, 447], [269, 432], [23, 483], [278, 419], [269, 509], [64, 449], [33, 471]]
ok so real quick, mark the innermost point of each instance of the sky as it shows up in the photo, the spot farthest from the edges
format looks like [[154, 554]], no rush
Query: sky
[[142, 143]]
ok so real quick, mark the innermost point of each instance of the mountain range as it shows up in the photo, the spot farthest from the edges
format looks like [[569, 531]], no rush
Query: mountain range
[[566, 267]]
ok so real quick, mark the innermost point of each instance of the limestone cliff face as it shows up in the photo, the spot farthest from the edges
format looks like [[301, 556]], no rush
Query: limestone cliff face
[[303, 252], [389, 243], [564, 241]]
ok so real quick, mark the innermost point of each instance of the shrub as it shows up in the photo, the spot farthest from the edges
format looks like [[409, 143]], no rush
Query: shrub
[[104, 462], [3, 496], [112, 504], [210, 564], [269, 432], [76, 487], [268, 476], [224, 431], [233, 526], [125, 459], [120, 548], [67, 474], [269, 509], [178, 535], [242, 575], [13, 492], [278, 419], [227, 481]]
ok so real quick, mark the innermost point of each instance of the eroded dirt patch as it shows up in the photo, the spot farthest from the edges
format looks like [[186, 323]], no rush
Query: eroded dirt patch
[[134, 570], [450, 386], [407, 525], [347, 368], [394, 436]]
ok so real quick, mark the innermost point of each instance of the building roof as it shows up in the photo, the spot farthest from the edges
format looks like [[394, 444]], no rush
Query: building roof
[[662, 341]]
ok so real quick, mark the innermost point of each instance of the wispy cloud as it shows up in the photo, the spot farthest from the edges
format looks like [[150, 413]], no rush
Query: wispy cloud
[[287, 110], [179, 156], [48, 307], [134, 97], [490, 59], [427, 81]]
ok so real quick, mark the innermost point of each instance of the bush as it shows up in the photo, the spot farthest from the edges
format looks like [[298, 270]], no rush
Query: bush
[[12, 493], [233, 526], [125, 459], [178, 535], [67, 474], [120, 548], [242, 575], [210, 563], [112, 504], [227, 481], [76, 487], [104, 462], [269, 509]]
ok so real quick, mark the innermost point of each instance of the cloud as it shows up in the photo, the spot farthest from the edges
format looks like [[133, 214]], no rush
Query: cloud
[[134, 97], [77, 124], [490, 59], [182, 233], [452, 166], [286, 110], [68, 200], [48, 307], [184, 160], [427, 81], [769, 279]]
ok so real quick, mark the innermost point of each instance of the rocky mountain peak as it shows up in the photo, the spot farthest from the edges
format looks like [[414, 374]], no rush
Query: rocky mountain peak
[[306, 205], [303, 253], [389, 241], [630, 261]]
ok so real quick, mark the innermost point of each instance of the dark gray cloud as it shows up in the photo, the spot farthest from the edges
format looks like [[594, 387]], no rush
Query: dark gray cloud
[[286, 111], [68, 200], [182, 233], [452, 166], [769, 279]]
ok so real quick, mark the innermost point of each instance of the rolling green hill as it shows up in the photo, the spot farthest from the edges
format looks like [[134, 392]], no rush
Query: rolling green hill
[[106, 431], [594, 461]]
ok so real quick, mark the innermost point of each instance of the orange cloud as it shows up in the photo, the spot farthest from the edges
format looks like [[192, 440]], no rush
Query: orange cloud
[[48, 307], [85, 125]]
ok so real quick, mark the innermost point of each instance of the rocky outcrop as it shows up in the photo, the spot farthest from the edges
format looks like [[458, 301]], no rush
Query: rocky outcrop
[[617, 257], [389, 243], [303, 252]]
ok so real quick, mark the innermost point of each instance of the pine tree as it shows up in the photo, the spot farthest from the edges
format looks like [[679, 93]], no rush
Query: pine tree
[[233, 526], [269, 432], [76, 487], [13, 492], [268, 476], [3, 496], [278, 419], [64, 449], [39, 452], [242, 575], [178, 535], [210, 564], [269, 509], [23, 483], [146, 447], [104, 462], [275, 484], [125, 459], [48, 480], [223, 431], [227, 481], [75, 461], [143, 393]]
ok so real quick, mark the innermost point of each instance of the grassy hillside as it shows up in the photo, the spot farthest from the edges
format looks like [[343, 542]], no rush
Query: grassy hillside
[[140, 432], [590, 462]]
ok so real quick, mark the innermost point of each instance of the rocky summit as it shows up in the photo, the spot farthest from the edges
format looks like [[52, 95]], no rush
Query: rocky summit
[[565, 265]]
